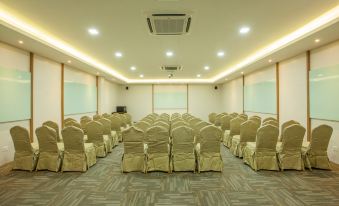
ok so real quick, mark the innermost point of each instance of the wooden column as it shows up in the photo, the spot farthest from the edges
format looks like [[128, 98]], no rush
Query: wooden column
[[62, 95], [308, 68], [277, 89], [31, 69]]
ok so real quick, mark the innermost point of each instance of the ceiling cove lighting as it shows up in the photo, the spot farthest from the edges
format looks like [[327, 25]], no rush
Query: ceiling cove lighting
[[220, 54], [133, 68], [93, 31], [206, 68], [244, 30], [326, 19], [169, 54]]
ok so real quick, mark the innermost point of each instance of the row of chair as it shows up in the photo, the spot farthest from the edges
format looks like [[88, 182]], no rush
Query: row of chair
[[261, 147], [171, 143], [75, 149]]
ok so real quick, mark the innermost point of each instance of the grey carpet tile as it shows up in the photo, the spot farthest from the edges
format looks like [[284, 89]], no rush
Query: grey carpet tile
[[104, 184]]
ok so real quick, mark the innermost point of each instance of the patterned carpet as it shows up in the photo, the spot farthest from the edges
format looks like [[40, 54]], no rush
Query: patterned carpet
[[104, 184]]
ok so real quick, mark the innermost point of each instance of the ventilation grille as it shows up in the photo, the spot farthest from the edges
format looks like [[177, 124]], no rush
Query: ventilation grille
[[169, 24], [171, 68]]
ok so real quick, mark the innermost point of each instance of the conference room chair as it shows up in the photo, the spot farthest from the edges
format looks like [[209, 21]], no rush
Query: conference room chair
[[86, 117], [197, 128], [234, 114], [271, 122], [269, 119], [182, 156], [106, 115], [162, 124], [234, 130], [55, 126], [179, 124], [217, 121], [208, 150], [194, 121], [116, 126], [289, 150], [122, 122], [26, 153], [142, 125], [256, 119], [148, 120], [284, 126], [73, 123], [211, 117], [95, 135], [158, 150], [50, 151], [134, 156], [106, 126], [244, 116], [129, 119], [96, 117], [69, 120], [83, 122], [225, 125], [248, 132], [261, 154], [78, 155], [315, 151]]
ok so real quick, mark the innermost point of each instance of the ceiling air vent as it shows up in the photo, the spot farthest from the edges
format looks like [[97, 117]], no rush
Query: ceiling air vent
[[169, 24], [172, 68]]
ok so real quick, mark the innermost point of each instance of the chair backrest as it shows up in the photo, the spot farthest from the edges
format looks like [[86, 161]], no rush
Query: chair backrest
[[162, 124], [321, 136], [211, 117], [269, 119], [69, 119], [84, 122], [210, 139], [243, 116], [21, 141], [284, 126], [217, 121], [256, 119], [148, 120], [115, 123], [225, 122], [271, 122], [133, 139], [198, 126], [55, 126], [105, 115], [157, 138], [129, 118], [183, 140], [86, 117], [143, 125], [73, 139], [72, 123], [235, 126], [267, 138], [95, 132], [106, 124], [248, 131], [293, 137], [97, 117], [47, 139], [194, 121]]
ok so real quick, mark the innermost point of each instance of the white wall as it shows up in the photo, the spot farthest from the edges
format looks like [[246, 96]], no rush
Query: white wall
[[11, 58], [109, 94], [320, 58], [204, 99], [232, 96], [46, 91]]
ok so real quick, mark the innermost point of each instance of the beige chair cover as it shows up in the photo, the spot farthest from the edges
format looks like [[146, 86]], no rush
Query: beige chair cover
[[74, 124], [129, 119], [211, 117], [55, 126], [69, 120], [158, 151], [316, 154], [113, 139], [217, 121], [78, 156], [83, 122], [269, 119], [289, 150], [105, 115], [183, 157], [95, 135], [262, 153], [86, 117], [26, 154], [143, 125], [271, 122], [208, 150], [51, 153], [255, 119], [244, 116], [96, 117], [248, 132], [116, 126], [134, 157], [234, 130], [162, 124], [284, 126], [197, 128]]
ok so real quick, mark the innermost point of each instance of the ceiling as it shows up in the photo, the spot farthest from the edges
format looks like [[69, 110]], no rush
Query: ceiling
[[122, 26]]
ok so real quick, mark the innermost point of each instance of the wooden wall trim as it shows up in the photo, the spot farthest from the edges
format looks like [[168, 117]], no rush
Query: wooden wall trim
[[62, 94], [97, 85], [308, 68], [31, 69], [277, 89]]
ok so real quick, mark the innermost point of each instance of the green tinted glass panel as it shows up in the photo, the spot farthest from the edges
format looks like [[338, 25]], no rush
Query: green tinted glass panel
[[324, 93], [79, 98], [261, 97], [170, 100], [15, 91]]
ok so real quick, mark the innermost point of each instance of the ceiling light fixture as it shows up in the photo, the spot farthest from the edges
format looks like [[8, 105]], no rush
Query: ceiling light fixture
[[198, 75], [69, 61], [270, 60], [133, 68], [98, 73], [207, 68], [141, 76], [317, 40], [244, 30], [169, 54], [93, 31], [221, 54], [20, 42], [242, 72], [118, 54]]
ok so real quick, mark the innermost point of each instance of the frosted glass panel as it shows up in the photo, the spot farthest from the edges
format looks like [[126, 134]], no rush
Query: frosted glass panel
[[15, 91], [261, 97], [170, 97], [80, 98], [324, 93]]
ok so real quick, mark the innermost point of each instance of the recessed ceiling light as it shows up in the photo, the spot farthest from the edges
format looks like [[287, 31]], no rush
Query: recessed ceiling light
[[69, 61], [20, 42], [207, 68], [242, 72], [221, 54], [244, 30], [141, 76], [317, 40], [169, 54], [198, 75], [133, 68], [270, 60], [93, 31], [118, 54], [98, 73], [226, 79]]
